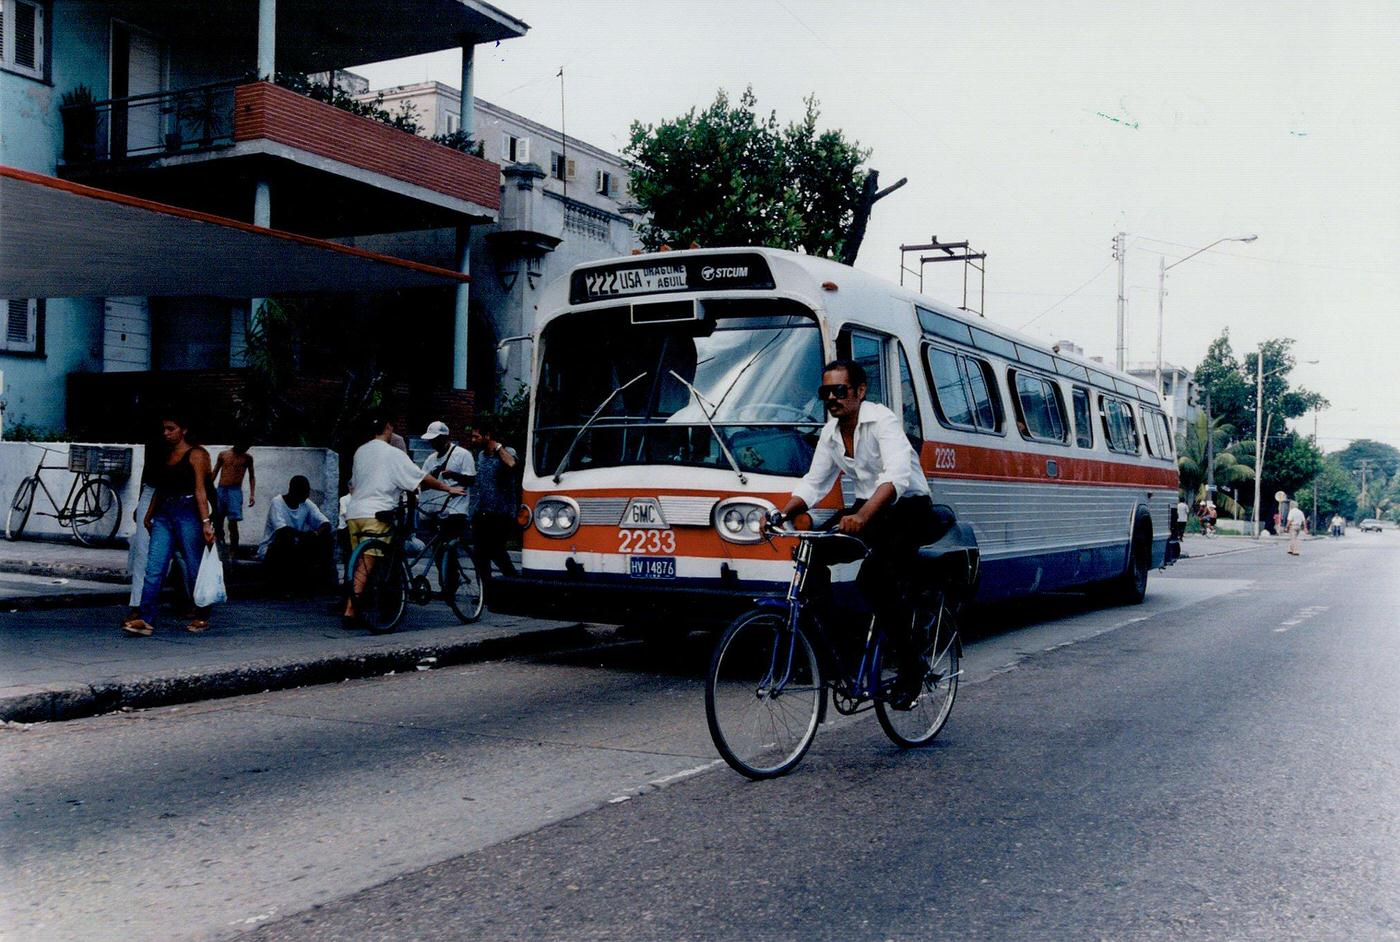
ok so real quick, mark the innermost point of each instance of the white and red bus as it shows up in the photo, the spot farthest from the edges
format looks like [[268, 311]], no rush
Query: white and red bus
[[674, 402]]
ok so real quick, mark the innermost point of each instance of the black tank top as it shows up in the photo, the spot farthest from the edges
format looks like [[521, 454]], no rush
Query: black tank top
[[175, 480]]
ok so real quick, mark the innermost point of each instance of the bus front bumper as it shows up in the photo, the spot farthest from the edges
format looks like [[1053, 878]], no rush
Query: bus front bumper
[[625, 602]]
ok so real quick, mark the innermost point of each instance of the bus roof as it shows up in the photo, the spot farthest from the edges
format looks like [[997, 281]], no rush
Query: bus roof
[[796, 274]]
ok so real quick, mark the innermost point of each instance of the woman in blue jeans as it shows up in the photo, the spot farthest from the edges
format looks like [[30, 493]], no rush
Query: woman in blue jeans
[[178, 522]]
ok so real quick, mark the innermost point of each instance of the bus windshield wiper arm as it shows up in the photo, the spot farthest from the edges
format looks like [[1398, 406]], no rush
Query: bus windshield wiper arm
[[700, 404], [563, 462]]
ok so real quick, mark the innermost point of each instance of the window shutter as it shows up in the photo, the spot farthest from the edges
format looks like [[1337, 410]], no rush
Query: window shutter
[[522, 150], [20, 324], [28, 37], [571, 171]]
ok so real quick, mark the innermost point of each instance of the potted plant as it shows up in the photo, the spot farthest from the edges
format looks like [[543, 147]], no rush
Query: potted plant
[[79, 112]]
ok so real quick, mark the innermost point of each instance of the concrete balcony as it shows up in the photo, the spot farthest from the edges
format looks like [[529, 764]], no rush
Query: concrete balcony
[[332, 173]]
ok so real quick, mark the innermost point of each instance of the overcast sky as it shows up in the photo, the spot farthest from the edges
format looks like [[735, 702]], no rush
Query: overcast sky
[[1037, 131]]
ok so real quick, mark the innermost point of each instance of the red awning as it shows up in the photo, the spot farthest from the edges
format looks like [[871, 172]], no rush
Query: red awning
[[65, 240]]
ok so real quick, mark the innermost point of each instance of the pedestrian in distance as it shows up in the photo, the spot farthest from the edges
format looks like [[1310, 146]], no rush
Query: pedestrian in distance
[[380, 475], [454, 464], [1183, 513], [140, 543], [497, 502], [178, 521], [1297, 523], [296, 546], [232, 467]]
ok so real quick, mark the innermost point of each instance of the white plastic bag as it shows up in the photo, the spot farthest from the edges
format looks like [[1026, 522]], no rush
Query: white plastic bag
[[209, 584]]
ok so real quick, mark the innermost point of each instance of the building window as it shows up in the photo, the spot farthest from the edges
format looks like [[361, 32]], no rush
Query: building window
[[606, 183], [22, 37], [561, 167], [24, 326], [514, 149], [453, 123]]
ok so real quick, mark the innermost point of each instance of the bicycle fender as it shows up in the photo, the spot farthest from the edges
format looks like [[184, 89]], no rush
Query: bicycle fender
[[770, 603]]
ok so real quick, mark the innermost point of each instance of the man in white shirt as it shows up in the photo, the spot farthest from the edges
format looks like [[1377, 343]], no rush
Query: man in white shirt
[[296, 543], [454, 464], [1297, 523], [893, 514], [1183, 513], [379, 476]]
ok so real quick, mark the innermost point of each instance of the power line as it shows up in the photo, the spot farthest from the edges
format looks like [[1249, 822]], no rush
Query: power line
[[1271, 261], [1092, 279]]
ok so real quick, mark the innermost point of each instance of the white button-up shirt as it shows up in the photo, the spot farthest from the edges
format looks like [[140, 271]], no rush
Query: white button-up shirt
[[881, 454]]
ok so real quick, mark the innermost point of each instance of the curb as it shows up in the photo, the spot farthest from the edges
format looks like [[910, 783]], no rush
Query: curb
[[75, 701]]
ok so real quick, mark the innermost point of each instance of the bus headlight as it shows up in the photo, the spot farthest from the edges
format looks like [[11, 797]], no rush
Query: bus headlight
[[740, 519], [556, 516]]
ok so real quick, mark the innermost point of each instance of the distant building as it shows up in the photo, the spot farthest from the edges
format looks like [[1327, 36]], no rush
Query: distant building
[[1179, 391], [563, 202]]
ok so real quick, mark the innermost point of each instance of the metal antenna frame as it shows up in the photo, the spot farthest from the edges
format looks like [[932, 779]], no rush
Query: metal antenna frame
[[970, 259]]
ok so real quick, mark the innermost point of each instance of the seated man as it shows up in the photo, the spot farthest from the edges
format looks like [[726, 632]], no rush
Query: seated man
[[296, 544]]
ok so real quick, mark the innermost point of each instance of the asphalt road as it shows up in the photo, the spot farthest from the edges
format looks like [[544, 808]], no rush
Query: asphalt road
[[1222, 762]]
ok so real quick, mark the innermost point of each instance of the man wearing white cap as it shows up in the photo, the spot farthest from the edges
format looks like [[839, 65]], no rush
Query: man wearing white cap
[[454, 464]]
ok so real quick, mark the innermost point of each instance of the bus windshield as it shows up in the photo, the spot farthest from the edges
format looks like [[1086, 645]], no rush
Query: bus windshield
[[755, 363]]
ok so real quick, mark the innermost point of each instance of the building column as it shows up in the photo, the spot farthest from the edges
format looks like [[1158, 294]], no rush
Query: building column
[[462, 310], [267, 39], [466, 109]]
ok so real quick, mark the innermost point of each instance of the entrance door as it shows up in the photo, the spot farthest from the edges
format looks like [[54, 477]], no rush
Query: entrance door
[[138, 68]]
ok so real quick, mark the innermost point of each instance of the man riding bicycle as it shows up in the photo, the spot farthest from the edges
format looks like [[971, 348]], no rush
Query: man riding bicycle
[[893, 513]]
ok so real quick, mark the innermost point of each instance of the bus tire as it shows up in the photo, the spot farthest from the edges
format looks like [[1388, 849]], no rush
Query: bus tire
[[1131, 587]]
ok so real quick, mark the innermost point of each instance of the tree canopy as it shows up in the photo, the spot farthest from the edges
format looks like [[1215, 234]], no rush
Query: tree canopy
[[731, 176]]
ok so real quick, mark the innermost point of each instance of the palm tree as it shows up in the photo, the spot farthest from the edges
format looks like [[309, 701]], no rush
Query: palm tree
[[1233, 464]]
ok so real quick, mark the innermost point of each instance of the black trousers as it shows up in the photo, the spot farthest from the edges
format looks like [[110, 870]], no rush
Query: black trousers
[[300, 560], [888, 577], [489, 534]]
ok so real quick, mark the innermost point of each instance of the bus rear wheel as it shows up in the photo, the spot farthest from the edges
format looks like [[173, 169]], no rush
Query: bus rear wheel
[[1131, 587]]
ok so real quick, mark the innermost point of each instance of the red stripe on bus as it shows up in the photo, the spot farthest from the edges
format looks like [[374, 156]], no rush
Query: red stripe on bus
[[973, 462]]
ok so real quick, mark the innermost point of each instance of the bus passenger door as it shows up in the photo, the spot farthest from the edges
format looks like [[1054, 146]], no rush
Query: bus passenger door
[[890, 380]]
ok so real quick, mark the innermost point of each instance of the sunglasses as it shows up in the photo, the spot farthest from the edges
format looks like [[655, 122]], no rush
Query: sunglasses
[[833, 391]]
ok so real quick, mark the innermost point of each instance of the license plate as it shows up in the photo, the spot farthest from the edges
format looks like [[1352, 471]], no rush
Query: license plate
[[635, 280], [652, 567]]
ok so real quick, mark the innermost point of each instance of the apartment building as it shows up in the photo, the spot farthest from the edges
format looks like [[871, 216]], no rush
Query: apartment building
[[164, 122]]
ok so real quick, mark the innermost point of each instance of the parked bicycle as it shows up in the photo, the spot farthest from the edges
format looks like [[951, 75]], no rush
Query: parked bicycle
[[766, 691], [409, 569], [92, 509]]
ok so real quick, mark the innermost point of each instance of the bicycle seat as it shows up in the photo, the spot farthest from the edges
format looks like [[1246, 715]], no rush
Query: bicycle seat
[[951, 561]]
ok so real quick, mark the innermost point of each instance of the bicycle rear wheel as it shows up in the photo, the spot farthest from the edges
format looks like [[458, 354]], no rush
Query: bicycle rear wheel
[[20, 505], [461, 589], [96, 513], [382, 602], [763, 695], [942, 657]]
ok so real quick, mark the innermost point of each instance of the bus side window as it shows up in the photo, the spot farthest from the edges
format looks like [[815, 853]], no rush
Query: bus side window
[[1083, 423], [908, 400], [1039, 409], [1120, 431], [868, 351]]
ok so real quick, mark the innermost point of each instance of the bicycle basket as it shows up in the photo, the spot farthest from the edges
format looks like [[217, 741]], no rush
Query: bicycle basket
[[99, 459]]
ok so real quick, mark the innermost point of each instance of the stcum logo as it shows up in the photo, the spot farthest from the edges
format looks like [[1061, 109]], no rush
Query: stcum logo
[[711, 272]]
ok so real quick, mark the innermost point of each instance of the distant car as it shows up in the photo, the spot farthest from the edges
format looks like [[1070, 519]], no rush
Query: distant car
[[1371, 526]]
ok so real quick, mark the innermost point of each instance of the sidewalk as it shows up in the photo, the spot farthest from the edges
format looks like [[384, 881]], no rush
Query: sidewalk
[[63, 656], [1197, 546]]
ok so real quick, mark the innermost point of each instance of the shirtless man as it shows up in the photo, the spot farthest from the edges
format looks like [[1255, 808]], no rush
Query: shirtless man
[[231, 467]]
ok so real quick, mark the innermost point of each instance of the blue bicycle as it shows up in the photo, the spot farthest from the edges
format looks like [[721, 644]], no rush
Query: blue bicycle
[[766, 691]]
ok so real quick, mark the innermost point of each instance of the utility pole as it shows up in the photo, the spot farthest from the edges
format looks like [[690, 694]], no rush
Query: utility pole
[[1121, 255], [1161, 298], [1210, 451], [1314, 519], [1365, 464], [1258, 434]]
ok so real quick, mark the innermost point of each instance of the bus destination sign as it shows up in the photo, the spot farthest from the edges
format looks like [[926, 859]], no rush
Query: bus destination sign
[[747, 270]]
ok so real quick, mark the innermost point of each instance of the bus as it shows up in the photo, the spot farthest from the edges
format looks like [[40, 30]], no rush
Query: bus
[[674, 402]]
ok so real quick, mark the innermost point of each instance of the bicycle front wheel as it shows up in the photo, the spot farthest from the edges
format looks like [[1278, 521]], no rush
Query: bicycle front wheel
[[384, 597], [461, 588], [942, 659], [20, 505], [763, 695], [96, 513]]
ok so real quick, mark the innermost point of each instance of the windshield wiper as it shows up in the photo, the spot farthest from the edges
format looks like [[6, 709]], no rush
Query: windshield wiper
[[563, 462], [700, 404]]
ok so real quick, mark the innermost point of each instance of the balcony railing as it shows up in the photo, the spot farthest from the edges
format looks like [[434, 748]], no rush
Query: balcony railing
[[160, 124]]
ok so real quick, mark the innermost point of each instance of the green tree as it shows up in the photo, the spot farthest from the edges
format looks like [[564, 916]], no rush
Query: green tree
[[1234, 464], [731, 176], [1336, 490], [1378, 454], [1221, 382]]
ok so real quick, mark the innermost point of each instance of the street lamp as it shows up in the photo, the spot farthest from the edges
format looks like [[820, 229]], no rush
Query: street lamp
[[1162, 270], [1259, 427]]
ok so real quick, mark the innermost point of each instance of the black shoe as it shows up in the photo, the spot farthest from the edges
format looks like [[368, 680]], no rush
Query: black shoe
[[908, 687]]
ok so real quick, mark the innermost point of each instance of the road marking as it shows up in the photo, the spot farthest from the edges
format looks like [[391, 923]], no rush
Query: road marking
[[1312, 611]]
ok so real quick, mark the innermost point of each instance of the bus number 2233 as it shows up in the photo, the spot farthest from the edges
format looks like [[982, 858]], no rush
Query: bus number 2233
[[945, 459], [646, 541]]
